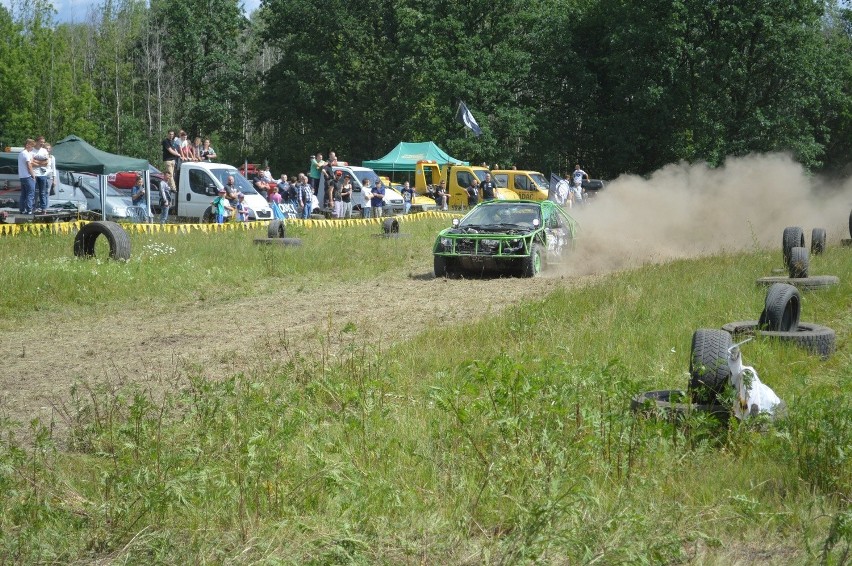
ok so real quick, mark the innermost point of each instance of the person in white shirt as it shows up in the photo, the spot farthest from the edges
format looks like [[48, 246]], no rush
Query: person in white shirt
[[27, 177], [577, 184]]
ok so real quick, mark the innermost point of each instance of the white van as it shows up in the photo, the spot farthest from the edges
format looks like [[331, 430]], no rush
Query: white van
[[199, 183], [393, 199]]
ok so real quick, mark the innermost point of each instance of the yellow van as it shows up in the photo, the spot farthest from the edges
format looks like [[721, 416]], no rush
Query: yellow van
[[528, 185]]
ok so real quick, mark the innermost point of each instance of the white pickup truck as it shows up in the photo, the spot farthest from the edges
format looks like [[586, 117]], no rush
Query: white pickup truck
[[199, 183]]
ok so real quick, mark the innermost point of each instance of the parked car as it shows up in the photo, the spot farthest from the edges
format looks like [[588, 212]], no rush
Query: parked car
[[520, 236], [64, 196], [118, 203]]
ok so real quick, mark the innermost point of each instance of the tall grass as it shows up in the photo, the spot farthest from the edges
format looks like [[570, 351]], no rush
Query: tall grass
[[505, 440]]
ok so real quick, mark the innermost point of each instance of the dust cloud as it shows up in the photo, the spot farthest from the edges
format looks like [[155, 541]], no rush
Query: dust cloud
[[687, 210]]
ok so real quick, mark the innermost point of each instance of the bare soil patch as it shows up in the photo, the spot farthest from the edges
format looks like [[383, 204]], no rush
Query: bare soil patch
[[159, 343]]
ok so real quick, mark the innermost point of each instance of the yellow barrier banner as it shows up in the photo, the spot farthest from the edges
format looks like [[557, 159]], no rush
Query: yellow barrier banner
[[72, 227]]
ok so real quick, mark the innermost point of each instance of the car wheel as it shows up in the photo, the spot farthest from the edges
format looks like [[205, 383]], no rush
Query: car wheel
[[783, 308], [818, 241], [814, 338], [119, 241], [208, 216], [277, 229], [799, 263], [440, 266], [793, 237], [708, 364], [531, 265]]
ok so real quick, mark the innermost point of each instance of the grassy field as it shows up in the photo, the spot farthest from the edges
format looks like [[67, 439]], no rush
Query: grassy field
[[506, 440]]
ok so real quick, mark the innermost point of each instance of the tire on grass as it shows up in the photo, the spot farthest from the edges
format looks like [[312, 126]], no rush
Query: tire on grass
[[531, 265], [440, 266], [277, 229], [278, 241], [390, 226], [799, 263], [803, 284], [818, 238], [119, 241], [793, 237], [782, 308], [814, 338], [708, 364], [672, 403]]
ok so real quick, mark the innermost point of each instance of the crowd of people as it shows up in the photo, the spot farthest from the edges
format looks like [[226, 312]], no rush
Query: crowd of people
[[569, 191], [37, 173]]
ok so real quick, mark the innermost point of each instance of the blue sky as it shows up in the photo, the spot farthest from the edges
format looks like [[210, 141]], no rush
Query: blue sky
[[77, 10]]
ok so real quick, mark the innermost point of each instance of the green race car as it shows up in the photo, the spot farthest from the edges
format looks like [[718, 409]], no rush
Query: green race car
[[505, 236]]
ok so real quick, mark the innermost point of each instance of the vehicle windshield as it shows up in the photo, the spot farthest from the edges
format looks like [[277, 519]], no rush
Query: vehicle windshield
[[502, 214], [243, 185], [480, 174], [90, 184], [366, 174], [539, 180]]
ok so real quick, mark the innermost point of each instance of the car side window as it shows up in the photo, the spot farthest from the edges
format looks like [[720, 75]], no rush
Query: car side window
[[501, 180], [198, 181], [521, 182], [464, 178]]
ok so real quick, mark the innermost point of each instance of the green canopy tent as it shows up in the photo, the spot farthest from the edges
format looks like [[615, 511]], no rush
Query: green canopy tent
[[75, 154], [405, 156]]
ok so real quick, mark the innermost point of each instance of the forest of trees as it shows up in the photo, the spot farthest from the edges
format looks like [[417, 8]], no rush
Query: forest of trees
[[618, 85]]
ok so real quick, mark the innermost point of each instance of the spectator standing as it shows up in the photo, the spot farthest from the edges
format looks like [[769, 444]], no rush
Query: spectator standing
[[27, 178], [51, 168], [197, 148], [170, 157], [327, 173], [473, 193], [577, 184], [317, 164], [367, 195], [207, 152], [165, 198], [441, 196], [378, 199], [137, 193], [274, 197], [261, 186], [219, 206], [40, 162], [283, 186], [231, 190], [242, 208], [306, 196], [267, 175], [562, 191], [407, 197], [346, 195], [336, 189], [489, 189], [292, 193]]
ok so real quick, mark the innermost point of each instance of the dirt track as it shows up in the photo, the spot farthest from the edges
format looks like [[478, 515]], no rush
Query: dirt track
[[155, 345]]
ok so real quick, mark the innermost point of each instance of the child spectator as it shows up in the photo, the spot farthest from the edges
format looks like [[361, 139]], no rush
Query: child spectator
[[242, 208], [219, 206]]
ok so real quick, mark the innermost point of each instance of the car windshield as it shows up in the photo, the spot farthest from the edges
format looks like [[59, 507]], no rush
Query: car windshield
[[243, 185], [539, 180], [502, 215], [480, 174]]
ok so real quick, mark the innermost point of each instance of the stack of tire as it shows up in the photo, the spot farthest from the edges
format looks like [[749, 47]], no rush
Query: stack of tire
[[276, 233], [797, 260], [709, 374], [780, 320]]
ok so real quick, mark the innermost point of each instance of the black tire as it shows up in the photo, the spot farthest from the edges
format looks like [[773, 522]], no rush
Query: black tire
[[818, 238], [440, 266], [390, 226], [793, 237], [670, 403], [804, 283], [814, 338], [783, 308], [708, 364], [119, 241], [278, 241], [277, 229], [799, 263], [850, 223], [532, 264], [209, 217]]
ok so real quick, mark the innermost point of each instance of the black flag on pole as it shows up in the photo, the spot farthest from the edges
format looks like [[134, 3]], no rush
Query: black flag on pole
[[465, 117]]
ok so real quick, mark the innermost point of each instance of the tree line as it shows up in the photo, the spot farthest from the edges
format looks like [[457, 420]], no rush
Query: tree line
[[617, 85]]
